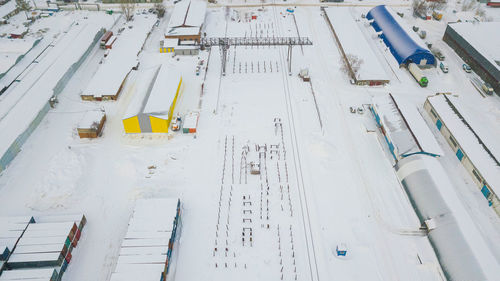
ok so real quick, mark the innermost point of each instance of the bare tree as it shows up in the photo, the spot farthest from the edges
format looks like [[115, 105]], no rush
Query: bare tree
[[468, 5], [419, 7], [23, 5], [437, 5], [353, 64], [160, 9], [128, 9]]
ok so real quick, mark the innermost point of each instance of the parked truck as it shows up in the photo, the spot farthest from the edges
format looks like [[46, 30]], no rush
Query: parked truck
[[437, 15], [105, 39], [437, 53], [417, 74]]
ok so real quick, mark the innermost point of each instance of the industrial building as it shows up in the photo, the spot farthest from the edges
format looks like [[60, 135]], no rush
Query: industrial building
[[186, 21], [404, 129], [151, 110], [483, 56], [351, 42], [90, 126], [404, 44], [472, 142], [462, 252]]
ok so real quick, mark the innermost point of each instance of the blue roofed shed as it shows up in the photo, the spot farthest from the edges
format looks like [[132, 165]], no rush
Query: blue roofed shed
[[403, 47]]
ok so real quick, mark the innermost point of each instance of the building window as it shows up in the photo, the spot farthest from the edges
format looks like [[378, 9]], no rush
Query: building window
[[434, 113], [453, 141], [478, 177]]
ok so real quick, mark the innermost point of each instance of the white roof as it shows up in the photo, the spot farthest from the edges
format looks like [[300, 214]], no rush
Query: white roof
[[122, 57], [191, 120], [27, 274], [161, 96], [393, 115], [354, 43], [186, 31], [475, 34], [15, 258], [168, 43], [12, 49], [188, 13], [486, 131], [90, 118], [7, 8]]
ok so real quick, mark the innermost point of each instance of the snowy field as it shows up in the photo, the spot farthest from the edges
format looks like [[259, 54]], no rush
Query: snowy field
[[326, 175]]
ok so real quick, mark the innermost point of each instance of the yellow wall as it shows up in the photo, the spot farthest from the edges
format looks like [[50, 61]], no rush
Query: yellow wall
[[174, 103], [166, 50], [158, 125], [131, 125]]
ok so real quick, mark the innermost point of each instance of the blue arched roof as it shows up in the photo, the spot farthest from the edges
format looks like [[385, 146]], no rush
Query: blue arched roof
[[402, 46]]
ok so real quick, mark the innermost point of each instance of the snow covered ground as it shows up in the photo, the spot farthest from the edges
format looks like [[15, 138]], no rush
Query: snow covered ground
[[326, 177]]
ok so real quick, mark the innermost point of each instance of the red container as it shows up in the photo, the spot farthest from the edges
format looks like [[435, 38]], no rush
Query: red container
[[68, 257]]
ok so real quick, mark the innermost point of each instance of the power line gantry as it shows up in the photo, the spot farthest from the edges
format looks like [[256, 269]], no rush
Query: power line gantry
[[226, 42]]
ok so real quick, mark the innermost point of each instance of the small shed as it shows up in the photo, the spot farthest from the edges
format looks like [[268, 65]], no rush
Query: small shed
[[91, 124], [341, 250], [190, 123]]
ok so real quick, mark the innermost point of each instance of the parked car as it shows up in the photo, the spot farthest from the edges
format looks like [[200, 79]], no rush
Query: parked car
[[487, 88], [466, 68], [443, 66]]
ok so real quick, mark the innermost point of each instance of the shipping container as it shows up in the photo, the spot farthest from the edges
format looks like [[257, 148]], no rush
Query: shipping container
[[105, 38], [109, 44]]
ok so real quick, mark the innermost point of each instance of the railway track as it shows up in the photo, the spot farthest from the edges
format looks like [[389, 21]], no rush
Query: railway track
[[305, 214]]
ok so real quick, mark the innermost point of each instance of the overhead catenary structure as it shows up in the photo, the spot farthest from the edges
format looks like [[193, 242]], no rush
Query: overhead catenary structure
[[473, 141], [151, 109], [351, 42], [186, 21], [404, 44], [404, 129], [478, 44]]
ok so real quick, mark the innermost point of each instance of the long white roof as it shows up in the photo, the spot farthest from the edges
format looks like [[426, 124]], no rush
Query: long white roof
[[405, 126], [354, 43], [485, 162], [188, 13], [122, 57], [7, 8]]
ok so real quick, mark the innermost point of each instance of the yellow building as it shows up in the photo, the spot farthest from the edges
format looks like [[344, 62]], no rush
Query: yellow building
[[152, 110]]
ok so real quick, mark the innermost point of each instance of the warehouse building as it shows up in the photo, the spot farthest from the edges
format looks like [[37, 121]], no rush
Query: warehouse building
[[351, 42], [152, 109], [91, 124], [404, 44], [187, 21], [478, 46], [471, 140], [404, 129]]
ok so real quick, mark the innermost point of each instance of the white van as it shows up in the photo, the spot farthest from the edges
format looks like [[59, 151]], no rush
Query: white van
[[443, 66]]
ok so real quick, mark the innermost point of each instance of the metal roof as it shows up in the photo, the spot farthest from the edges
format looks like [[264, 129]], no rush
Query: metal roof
[[403, 47]]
